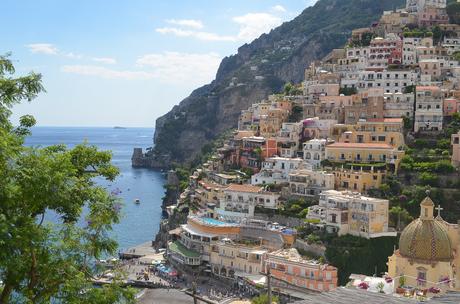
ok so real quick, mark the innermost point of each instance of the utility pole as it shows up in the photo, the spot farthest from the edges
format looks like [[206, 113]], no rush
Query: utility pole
[[195, 301], [269, 285]]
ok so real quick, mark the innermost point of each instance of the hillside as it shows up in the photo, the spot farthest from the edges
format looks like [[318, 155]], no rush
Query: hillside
[[279, 57]]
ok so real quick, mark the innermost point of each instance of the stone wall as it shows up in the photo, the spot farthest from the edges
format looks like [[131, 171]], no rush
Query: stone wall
[[317, 250], [281, 219]]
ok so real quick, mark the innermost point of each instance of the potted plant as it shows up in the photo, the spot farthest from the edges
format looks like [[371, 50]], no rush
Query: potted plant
[[380, 286], [400, 289]]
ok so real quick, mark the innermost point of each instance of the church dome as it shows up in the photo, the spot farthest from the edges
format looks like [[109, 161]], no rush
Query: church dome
[[426, 238]]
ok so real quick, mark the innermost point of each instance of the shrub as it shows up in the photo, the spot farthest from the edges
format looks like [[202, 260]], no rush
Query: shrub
[[430, 179]]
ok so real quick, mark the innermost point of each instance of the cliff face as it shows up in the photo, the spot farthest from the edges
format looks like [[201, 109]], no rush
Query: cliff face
[[257, 70]]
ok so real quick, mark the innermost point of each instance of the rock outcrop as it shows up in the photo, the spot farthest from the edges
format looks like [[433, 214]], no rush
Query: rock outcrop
[[257, 70]]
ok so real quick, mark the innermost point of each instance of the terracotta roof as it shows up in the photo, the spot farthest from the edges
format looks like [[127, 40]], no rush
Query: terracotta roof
[[244, 188], [428, 88], [360, 145], [398, 120]]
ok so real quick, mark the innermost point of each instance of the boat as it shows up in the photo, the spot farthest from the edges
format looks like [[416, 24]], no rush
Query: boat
[[137, 201]]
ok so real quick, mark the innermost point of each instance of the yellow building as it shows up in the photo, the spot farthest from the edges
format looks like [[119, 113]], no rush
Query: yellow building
[[386, 130], [359, 180], [428, 252], [231, 258], [271, 123], [364, 153]]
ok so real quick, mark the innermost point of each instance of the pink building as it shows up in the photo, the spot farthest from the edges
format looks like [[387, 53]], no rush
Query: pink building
[[451, 106], [456, 149], [431, 16], [291, 271]]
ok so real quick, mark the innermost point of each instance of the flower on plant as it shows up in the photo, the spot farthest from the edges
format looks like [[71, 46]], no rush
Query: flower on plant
[[363, 285]]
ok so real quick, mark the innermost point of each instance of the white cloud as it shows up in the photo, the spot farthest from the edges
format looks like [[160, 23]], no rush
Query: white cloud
[[253, 25], [73, 55], [105, 60], [182, 68], [205, 36], [170, 67], [103, 72], [279, 9], [43, 48], [196, 24]]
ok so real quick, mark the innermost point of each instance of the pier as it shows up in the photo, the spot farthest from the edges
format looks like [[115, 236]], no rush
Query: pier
[[138, 251]]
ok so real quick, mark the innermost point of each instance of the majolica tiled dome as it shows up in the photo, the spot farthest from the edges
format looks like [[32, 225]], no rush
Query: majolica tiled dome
[[426, 238]]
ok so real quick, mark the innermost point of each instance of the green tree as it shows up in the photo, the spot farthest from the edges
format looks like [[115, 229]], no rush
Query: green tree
[[263, 299], [42, 262]]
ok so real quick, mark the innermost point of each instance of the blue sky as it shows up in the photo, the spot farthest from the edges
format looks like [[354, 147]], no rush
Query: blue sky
[[107, 63]]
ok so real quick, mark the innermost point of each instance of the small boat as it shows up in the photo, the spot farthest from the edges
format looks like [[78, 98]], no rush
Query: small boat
[[137, 201]]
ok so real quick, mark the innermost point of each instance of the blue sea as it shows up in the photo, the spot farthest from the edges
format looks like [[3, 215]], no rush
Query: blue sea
[[140, 222]]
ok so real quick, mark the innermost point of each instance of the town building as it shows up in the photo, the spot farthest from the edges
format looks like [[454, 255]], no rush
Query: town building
[[451, 106], [233, 259], [384, 51], [290, 271], [352, 213], [364, 153], [314, 152], [397, 105], [275, 170], [310, 183], [359, 178], [391, 81], [455, 142], [416, 6], [386, 130], [239, 202], [428, 109]]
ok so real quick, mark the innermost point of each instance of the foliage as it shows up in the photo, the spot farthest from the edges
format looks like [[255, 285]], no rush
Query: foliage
[[409, 89], [359, 255], [296, 208], [42, 262], [453, 10], [296, 113], [397, 214], [364, 41], [263, 299], [292, 90], [430, 179], [348, 91], [423, 32], [313, 239], [407, 123]]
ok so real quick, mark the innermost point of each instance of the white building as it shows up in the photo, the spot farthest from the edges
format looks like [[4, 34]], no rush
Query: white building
[[314, 152], [416, 6], [308, 183], [398, 104], [239, 202], [410, 49], [391, 81], [428, 109], [275, 170], [351, 213], [289, 138]]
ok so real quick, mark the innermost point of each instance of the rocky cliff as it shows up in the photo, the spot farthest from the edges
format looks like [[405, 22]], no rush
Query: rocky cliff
[[257, 70]]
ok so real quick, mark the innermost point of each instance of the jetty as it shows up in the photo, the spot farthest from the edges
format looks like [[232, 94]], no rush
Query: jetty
[[138, 251]]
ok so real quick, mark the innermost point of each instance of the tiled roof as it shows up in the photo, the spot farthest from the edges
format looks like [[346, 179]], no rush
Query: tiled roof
[[360, 146], [398, 120], [177, 247], [428, 88], [244, 188], [348, 295]]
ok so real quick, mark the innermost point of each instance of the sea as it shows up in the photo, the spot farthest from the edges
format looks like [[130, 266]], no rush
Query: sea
[[140, 222]]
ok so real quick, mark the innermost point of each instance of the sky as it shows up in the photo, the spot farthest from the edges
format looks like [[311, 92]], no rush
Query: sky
[[125, 63]]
